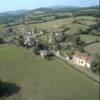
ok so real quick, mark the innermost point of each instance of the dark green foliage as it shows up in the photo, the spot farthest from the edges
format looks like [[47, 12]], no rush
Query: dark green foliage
[[9, 30], [75, 39], [60, 16], [96, 26], [79, 42], [36, 50], [8, 89], [1, 40], [7, 19], [96, 67], [21, 40], [93, 29], [57, 46], [93, 12]]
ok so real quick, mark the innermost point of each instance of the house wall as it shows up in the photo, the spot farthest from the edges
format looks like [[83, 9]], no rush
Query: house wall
[[88, 65], [82, 63], [79, 61], [67, 58], [42, 54]]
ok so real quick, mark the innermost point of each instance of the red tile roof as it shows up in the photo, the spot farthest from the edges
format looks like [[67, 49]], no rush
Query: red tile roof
[[83, 56]]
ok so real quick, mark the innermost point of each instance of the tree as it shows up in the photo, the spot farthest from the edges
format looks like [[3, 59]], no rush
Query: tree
[[36, 50], [1, 40], [96, 67], [21, 40], [57, 46], [9, 30], [7, 89]]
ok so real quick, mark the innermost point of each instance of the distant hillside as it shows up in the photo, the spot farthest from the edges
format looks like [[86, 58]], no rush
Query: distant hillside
[[55, 9], [12, 16], [17, 12], [47, 10]]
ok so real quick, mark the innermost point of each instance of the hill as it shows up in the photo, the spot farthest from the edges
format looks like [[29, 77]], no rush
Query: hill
[[76, 11], [17, 12]]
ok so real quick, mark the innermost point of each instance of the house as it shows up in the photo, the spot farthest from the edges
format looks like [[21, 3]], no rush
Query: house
[[29, 41], [58, 34], [67, 57], [43, 53], [83, 60]]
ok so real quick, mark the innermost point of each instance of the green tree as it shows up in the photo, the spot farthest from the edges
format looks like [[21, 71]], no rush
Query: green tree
[[21, 40], [1, 40], [36, 50], [7, 89]]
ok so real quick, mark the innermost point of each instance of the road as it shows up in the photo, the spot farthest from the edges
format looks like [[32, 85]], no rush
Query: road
[[87, 72]]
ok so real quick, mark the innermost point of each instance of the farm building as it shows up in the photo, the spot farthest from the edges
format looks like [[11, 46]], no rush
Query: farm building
[[83, 60]]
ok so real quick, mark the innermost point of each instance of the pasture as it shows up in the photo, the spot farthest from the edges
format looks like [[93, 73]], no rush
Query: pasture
[[40, 79], [89, 38], [93, 48]]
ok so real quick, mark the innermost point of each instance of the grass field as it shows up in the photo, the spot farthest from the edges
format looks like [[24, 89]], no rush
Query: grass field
[[93, 48], [51, 25], [41, 79], [89, 38]]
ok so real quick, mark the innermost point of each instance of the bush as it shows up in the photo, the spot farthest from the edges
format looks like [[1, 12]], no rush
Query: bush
[[36, 50], [1, 40], [21, 40], [96, 68]]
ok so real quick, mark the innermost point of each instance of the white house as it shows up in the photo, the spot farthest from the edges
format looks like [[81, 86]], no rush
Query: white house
[[43, 53], [58, 34], [83, 60], [29, 41], [67, 57]]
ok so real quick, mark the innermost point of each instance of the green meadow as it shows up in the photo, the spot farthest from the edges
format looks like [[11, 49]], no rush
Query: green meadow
[[41, 79]]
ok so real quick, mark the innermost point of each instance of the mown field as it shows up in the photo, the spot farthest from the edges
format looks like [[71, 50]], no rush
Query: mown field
[[40, 79]]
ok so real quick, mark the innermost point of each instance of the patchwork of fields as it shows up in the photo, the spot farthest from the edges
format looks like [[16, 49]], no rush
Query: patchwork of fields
[[40, 79]]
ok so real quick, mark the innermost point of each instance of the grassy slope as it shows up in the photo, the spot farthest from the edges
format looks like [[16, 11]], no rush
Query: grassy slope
[[41, 79]]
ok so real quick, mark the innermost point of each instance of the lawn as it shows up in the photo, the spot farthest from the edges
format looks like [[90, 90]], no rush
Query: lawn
[[40, 79]]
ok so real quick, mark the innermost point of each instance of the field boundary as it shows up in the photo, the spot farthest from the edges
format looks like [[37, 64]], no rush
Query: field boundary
[[90, 43]]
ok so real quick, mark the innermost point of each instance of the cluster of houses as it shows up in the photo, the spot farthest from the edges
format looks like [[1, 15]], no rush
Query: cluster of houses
[[30, 37], [78, 58]]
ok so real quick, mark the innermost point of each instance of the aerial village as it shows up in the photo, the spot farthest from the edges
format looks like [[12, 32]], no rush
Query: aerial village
[[50, 53], [49, 48]]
